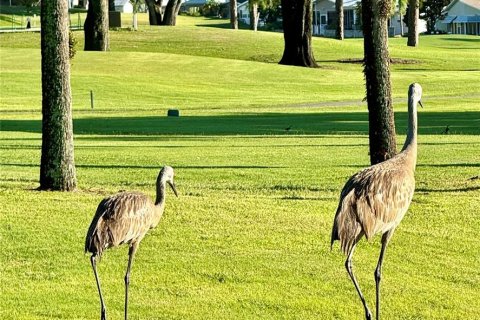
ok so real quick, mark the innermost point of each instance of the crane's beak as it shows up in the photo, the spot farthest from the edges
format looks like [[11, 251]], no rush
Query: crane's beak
[[173, 188], [420, 103]]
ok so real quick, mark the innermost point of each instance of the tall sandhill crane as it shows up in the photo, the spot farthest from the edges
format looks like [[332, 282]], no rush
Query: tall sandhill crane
[[376, 199], [125, 218]]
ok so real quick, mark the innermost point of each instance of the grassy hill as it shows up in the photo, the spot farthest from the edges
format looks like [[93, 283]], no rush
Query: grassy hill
[[248, 238]]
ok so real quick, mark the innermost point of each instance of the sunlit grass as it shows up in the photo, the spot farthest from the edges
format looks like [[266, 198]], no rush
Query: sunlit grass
[[248, 238]]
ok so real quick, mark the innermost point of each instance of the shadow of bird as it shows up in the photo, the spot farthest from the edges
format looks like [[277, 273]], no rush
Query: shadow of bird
[[375, 200], [125, 218], [447, 129], [287, 129]]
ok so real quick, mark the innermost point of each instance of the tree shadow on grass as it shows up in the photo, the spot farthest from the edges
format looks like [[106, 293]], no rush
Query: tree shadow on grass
[[325, 123]]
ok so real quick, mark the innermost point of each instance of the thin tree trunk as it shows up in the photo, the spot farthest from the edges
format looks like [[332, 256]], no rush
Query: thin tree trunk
[[135, 21], [297, 33], [413, 23], [382, 138], [401, 23], [57, 166], [254, 15], [96, 26], [233, 14], [339, 9]]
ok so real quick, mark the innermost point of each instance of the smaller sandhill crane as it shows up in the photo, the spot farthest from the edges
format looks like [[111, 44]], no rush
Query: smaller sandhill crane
[[375, 200], [125, 218]]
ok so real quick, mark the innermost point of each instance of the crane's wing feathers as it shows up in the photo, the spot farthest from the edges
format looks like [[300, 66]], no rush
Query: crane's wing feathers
[[121, 218], [373, 200]]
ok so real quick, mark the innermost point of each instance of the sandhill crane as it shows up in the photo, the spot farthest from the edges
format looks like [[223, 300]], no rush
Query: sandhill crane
[[125, 218], [376, 199]]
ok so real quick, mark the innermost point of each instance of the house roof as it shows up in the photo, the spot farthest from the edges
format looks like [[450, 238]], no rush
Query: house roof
[[471, 3], [464, 19], [448, 19]]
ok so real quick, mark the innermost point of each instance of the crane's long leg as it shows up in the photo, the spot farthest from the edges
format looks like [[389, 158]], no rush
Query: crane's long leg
[[103, 314], [131, 253], [378, 271], [348, 266]]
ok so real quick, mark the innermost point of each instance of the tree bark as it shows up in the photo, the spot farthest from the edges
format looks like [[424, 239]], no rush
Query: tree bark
[[339, 9], [413, 23], [254, 15], [382, 138], [96, 26], [170, 14], [155, 14], [297, 33], [233, 14], [57, 166]]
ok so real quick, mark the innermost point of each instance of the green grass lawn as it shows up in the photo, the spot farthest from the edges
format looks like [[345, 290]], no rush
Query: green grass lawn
[[248, 237]]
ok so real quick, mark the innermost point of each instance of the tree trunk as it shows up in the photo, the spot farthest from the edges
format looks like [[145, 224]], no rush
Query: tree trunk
[[135, 21], [339, 9], [96, 26], [254, 15], [155, 14], [382, 138], [413, 23], [297, 33], [57, 167], [177, 10], [170, 14], [233, 14], [401, 23]]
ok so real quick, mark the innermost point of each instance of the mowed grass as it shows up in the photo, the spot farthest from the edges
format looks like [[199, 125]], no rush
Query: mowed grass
[[248, 238]]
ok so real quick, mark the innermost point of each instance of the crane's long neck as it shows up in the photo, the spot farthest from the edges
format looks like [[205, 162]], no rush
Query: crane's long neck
[[410, 146], [160, 199]]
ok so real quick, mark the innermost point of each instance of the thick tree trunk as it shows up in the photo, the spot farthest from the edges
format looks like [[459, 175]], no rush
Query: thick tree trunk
[[382, 138], [57, 167], [155, 14], [170, 15], [413, 23], [339, 10], [233, 14], [254, 15], [96, 26], [297, 33]]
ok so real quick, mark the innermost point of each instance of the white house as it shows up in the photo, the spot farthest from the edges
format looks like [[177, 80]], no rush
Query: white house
[[123, 6], [243, 12], [325, 16], [461, 17], [195, 5]]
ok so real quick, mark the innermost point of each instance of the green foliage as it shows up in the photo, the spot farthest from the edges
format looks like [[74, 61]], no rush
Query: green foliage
[[72, 44], [136, 4], [28, 4], [431, 11], [248, 238], [211, 8]]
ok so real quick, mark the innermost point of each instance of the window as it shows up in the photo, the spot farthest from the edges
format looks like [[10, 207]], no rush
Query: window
[[348, 19]]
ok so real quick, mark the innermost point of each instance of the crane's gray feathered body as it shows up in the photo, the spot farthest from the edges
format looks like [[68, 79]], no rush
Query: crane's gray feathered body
[[122, 218], [125, 218], [376, 199]]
